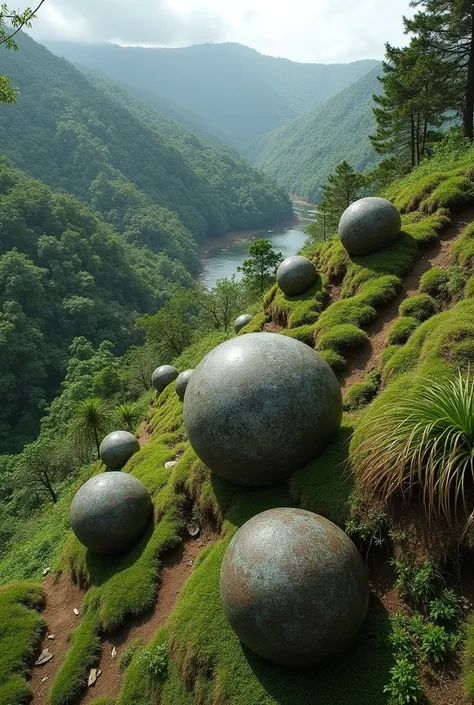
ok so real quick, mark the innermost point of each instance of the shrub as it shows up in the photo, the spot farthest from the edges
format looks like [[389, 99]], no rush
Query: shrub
[[423, 440], [402, 329], [334, 360], [342, 337], [417, 584], [435, 283], [435, 643], [420, 307], [155, 661], [361, 393], [446, 608], [127, 656], [404, 687]]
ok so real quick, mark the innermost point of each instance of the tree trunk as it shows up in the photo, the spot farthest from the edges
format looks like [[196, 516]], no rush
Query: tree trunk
[[418, 139], [412, 139], [96, 437], [49, 487], [469, 105]]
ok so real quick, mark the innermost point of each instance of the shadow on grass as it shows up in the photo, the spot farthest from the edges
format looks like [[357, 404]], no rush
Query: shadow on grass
[[358, 676]]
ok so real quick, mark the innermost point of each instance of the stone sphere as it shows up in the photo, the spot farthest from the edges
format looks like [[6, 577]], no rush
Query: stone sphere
[[182, 383], [294, 587], [163, 376], [369, 225], [110, 512], [117, 448], [295, 275], [259, 406], [242, 321]]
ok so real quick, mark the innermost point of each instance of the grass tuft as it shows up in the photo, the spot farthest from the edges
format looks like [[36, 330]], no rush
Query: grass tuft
[[402, 329], [420, 307], [362, 393]]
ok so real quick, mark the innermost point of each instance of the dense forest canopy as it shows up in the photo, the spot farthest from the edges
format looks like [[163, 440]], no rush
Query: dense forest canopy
[[236, 93]]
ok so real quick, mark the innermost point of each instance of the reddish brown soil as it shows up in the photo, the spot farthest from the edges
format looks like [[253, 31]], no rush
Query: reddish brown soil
[[144, 434], [272, 327], [61, 599], [366, 359]]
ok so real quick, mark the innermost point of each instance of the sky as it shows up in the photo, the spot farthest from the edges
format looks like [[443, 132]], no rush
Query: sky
[[302, 30]]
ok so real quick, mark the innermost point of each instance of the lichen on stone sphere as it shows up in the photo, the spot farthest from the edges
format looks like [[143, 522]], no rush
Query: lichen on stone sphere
[[369, 225], [294, 587], [117, 448], [182, 382], [111, 512], [163, 376], [296, 275], [259, 406], [241, 322]]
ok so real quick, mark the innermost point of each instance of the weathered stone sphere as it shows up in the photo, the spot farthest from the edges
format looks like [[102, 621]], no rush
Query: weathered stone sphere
[[294, 587], [117, 448], [369, 225], [110, 512], [259, 406], [242, 321], [182, 383], [163, 376], [295, 275]]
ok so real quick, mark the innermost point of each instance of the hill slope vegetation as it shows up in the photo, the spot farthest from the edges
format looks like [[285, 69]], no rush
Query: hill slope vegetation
[[236, 93], [301, 153]]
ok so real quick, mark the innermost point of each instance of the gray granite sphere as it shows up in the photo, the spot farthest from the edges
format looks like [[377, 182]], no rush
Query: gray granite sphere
[[369, 225], [182, 383], [163, 376], [110, 512], [295, 275], [294, 587], [117, 448], [259, 406], [242, 321]]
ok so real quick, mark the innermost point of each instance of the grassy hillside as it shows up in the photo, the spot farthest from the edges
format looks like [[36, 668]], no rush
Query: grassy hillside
[[66, 132], [301, 153], [235, 92]]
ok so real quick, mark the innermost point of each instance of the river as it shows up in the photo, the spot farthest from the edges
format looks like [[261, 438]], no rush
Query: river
[[221, 257]]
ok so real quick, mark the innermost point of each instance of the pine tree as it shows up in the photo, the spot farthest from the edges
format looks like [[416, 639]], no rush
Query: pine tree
[[262, 264]]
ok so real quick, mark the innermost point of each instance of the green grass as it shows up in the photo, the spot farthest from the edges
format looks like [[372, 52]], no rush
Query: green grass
[[296, 311], [420, 307], [435, 283], [335, 361], [305, 334], [21, 627], [361, 393], [402, 329], [343, 337], [468, 670]]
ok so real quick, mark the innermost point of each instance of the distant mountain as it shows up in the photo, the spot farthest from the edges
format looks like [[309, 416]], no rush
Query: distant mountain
[[70, 134], [232, 91], [301, 153]]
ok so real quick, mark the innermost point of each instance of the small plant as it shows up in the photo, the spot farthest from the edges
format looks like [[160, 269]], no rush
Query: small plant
[[402, 329], [445, 608], [127, 656], [417, 585], [404, 687], [128, 415], [155, 661], [368, 527], [400, 636], [361, 393], [435, 643]]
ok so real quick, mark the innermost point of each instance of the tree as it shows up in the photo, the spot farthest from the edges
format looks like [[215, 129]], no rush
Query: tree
[[447, 27], [42, 464], [169, 331], [16, 20], [221, 304], [90, 421], [129, 415], [262, 264]]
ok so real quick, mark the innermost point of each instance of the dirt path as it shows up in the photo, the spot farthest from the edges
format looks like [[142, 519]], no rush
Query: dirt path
[[62, 598], [366, 359], [144, 433]]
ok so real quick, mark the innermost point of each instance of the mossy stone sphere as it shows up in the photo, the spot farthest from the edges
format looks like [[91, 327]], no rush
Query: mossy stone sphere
[[369, 225], [294, 587], [182, 382], [163, 376], [110, 512], [242, 321], [117, 448], [259, 406], [295, 275]]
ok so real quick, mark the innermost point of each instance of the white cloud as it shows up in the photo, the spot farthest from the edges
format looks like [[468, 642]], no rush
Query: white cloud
[[302, 30]]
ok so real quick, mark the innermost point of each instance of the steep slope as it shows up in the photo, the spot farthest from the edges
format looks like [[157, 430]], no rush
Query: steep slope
[[236, 91], [301, 153], [68, 133]]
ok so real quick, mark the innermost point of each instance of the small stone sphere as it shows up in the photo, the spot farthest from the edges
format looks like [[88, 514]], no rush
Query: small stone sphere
[[369, 225], [295, 275], [163, 376], [117, 448], [294, 587], [259, 406], [242, 321], [110, 512], [182, 383]]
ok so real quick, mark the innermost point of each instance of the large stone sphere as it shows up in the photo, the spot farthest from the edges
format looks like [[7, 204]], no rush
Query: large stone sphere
[[294, 587], [242, 321], [260, 406], [182, 383], [369, 225], [295, 275], [163, 376], [117, 448], [110, 512]]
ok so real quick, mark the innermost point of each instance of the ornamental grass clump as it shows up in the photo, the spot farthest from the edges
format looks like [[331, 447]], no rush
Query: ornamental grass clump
[[422, 444]]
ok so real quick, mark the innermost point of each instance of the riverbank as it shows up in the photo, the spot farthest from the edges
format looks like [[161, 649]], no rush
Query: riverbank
[[240, 237]]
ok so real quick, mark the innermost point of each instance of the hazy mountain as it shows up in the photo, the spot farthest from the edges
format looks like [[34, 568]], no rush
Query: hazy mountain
[[233, 91]]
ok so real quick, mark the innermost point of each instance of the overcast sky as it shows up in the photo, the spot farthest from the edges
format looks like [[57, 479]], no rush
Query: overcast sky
[[302, 30]]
